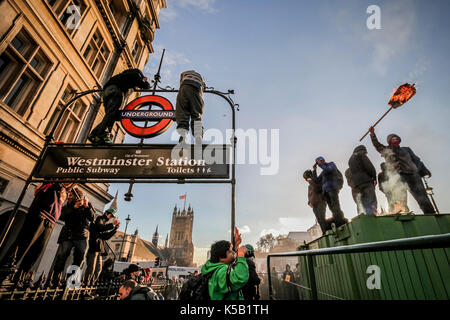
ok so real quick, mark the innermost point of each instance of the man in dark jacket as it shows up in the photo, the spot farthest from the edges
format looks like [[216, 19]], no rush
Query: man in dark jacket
[[114, 92], [77, 214], [330, 181], [42, 215], [130, 290], [251, 289], [364, 179], [316, 200], [409, 166], [190, 105], [100, 231]]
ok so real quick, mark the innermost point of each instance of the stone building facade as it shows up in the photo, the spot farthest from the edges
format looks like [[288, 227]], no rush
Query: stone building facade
[[48, 50], [181, 248]]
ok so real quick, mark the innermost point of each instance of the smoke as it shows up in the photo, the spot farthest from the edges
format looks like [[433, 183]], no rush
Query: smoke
[[395, 190]]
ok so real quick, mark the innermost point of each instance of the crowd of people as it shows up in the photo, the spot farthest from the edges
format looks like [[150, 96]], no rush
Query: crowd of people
[[83, 231], [401, 171]]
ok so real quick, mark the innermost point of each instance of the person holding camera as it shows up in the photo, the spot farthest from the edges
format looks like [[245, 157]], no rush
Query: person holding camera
[[251, 289], [77, 214], [100, 231]]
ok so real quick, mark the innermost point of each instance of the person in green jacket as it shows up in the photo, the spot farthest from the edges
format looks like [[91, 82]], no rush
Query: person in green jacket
[[223, 256]]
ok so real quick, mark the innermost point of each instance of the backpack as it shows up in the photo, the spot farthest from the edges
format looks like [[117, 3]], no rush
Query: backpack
[[197, 288], [148, 293]]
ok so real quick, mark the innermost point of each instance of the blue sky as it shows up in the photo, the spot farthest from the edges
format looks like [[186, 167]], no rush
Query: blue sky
[[313, 70]]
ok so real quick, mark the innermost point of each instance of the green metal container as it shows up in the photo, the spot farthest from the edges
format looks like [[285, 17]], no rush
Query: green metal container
[[403, 274]]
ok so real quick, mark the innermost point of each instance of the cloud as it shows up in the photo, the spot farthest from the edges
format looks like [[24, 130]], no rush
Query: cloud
[[286, 225], [173, 6], [168, 14], [397, 30], [242, 230], [206, 5]]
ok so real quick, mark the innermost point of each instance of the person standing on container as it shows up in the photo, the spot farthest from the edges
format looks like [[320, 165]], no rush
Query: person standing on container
[[409, 166]]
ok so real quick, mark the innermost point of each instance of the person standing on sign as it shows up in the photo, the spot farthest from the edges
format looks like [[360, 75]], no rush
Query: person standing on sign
[[408, 165], [114, 92], [190, 106], [316, 200]]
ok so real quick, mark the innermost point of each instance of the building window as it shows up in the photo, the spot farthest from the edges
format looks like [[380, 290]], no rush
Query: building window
[[137, 50], [71, 121], [117, 247], [97, 53], [118, 11], [69, 12], [23, 69]]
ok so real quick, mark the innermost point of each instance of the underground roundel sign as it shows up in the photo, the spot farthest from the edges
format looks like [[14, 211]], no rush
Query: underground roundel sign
[[158, 121]]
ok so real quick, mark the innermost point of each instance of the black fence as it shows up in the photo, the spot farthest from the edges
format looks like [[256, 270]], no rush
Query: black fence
[[23, 287]]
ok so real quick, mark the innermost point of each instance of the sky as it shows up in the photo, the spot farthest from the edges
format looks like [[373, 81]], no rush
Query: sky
[[313, 72]]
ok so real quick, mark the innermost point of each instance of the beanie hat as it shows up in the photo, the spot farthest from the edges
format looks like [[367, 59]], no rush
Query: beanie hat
[[320, 159], [111, 211], [391, 136], [307, 174]]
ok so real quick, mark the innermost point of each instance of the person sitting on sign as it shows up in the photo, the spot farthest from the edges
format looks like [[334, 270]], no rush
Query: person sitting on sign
[[114, 92], [190, 105], [408, 165]]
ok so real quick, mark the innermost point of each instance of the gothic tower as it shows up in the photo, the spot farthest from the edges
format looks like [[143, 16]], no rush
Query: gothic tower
[[155, 237], [181, 236]]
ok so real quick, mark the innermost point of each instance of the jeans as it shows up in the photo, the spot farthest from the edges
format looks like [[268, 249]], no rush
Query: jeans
[[30, 242], [93, 266], [319, 210], [64, 249], [189, 105], [332, 199]]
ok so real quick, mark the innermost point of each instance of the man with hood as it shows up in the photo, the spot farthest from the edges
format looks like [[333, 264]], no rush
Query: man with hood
[[131, 290], [363, 179], [114, 92], [226, 282], [316, 200], [409, 166], [190, 105], [331, 180]]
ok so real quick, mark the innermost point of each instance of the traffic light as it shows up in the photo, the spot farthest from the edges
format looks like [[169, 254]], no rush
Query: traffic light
[[157, 262]]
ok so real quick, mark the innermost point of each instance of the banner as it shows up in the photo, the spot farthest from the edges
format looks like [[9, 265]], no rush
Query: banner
[[131, 161]]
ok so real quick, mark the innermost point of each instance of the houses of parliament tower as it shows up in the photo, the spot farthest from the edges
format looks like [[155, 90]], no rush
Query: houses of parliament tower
[[180, 243]]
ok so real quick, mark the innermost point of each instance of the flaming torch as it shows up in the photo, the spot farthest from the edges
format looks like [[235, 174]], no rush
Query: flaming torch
[[400, 97]]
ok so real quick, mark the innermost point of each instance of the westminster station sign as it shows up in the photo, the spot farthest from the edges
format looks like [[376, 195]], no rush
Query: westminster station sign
[[130, 161]]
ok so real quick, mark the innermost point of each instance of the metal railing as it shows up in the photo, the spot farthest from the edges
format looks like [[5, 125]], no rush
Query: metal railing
[[310, 263]]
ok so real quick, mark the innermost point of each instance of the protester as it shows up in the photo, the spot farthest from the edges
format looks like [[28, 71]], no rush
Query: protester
[[100, 231], [364, 179], [410, 168], [316, 200], [172, 290], [190, 105], [114, 92], [289, 289], [77, 214], [331, 180], [42, 215], [250, 290], [130, 290], [131, 273], [226, 282]]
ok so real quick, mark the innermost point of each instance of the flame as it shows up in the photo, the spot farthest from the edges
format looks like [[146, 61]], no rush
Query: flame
[[402, 95]]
